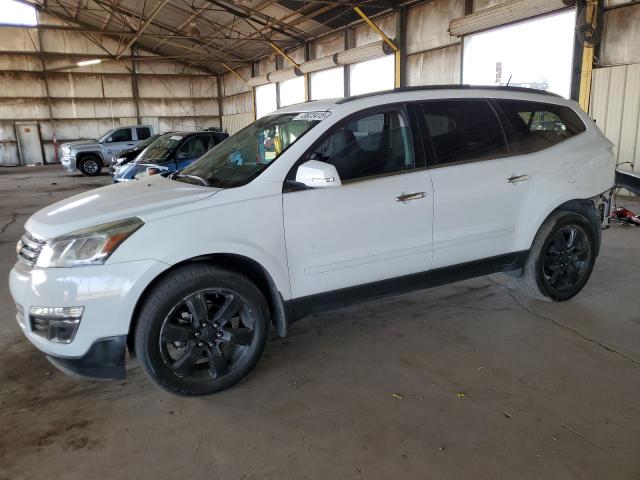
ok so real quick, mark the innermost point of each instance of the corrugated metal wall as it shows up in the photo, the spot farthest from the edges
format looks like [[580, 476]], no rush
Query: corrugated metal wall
[[615, 106], [615, 91], [85, 102]]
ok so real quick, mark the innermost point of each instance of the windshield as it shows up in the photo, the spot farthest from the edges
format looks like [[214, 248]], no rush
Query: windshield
[[146, 142], [107, 135], [160, 149], [241, 157]]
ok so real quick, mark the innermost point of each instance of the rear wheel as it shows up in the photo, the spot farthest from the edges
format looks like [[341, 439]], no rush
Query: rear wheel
[[561, 258], [90, 166], [201, 330]]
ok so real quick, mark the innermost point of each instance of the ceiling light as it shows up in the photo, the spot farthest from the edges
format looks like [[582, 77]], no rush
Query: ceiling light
[[84, 63]]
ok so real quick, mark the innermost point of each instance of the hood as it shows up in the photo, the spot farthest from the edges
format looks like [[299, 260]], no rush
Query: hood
[[128, 151], [79, 143], [114, 202]]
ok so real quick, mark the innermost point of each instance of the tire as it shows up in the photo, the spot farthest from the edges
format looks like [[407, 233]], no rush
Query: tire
[[190, 359], [557, 269], [90, 166]]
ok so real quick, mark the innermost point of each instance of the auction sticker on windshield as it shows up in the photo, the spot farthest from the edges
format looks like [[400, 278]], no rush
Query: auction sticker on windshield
[[175, 137], [319, 116]]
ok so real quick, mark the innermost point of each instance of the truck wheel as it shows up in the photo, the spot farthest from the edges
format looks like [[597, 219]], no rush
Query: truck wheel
[[561, 257], [90, 166], [201, 330]]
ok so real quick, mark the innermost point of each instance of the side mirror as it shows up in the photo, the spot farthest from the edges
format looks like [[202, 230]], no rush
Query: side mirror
[[316, 174], [110, 139]]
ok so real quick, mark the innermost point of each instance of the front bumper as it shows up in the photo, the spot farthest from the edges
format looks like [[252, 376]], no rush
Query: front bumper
[[105, 360], [68, 162], [108, 293]]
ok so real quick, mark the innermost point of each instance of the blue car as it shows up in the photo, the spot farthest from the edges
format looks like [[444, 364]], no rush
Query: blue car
[[168, 153]]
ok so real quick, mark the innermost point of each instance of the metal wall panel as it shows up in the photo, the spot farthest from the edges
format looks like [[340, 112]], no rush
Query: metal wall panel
[[482, 4], [20, 62], [21, 85], [428, 24], [69, 85], [92, 108], [615, 106], [266, 65], [242, 103], [23, 109], [232, 85], [329, 45], [18, 39], [233, 123], [365, 35], [621, 38], [436, 67]]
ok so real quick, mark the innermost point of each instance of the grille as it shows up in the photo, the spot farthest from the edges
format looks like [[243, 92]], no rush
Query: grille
[[29, 248]]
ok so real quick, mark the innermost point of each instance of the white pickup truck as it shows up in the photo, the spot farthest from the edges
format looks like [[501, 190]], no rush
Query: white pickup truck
[[89, 156]]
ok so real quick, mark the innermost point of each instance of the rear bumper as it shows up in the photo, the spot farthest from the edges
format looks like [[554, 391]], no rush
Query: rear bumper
[[105, 360]]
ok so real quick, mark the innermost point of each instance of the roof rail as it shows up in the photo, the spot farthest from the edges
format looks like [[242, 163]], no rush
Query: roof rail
[[448, 87]]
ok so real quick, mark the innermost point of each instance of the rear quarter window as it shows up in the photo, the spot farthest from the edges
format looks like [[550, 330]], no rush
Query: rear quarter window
[[536, 125]]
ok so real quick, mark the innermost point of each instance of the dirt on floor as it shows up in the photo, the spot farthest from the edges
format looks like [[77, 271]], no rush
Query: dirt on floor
[[472, 380]]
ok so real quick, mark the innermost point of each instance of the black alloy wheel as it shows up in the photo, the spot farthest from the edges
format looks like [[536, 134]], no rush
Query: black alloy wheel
[[201, 329], [207, 334], [566, 260], [561, 257]]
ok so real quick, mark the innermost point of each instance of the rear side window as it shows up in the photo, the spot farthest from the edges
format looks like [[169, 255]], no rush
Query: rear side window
[[143, 133], [122, 135], [463, 130], [538, 125]]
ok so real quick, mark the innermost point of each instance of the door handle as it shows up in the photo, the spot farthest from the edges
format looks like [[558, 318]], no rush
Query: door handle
[[405, 197], [517, 178]]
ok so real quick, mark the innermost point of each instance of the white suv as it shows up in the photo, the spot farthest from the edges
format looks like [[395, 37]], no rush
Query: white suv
[[316, 206]]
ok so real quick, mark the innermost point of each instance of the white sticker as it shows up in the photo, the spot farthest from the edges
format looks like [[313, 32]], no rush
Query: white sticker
[[175, 137], [319, 116]]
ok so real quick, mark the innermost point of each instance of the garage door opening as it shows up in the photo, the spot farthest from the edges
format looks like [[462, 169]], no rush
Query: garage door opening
[[535, 54], [18, 13]]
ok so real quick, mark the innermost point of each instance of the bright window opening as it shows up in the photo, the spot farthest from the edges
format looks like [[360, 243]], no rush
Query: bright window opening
[[327, 84], [266, 99], [535, 54], [17, 13], [292, 91], [372, 76]]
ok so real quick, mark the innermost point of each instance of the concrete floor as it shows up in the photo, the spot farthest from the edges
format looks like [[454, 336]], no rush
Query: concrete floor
[[471, 380]]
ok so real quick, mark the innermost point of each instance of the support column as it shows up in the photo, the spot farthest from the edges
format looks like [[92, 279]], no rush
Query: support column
[[401, 43], [134, 83]]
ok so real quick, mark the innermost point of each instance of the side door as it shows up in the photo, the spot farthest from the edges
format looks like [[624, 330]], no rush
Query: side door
[[120, 139], [481, 188], [191, 150], [377, 225]]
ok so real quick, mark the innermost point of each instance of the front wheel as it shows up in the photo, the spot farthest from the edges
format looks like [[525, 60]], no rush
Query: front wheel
[[561, 258], [201, 330], [90, 166]]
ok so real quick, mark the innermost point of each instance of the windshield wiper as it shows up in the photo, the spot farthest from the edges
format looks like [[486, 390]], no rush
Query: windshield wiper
[[177, 174]]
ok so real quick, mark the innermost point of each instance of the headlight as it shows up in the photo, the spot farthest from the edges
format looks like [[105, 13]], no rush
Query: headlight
[[89, 246], [66, 151]]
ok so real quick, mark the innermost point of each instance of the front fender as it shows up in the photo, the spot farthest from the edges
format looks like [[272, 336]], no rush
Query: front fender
[[83, 153], [251, 228]]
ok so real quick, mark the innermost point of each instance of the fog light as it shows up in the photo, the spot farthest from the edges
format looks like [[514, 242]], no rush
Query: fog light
[[57, 324]]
